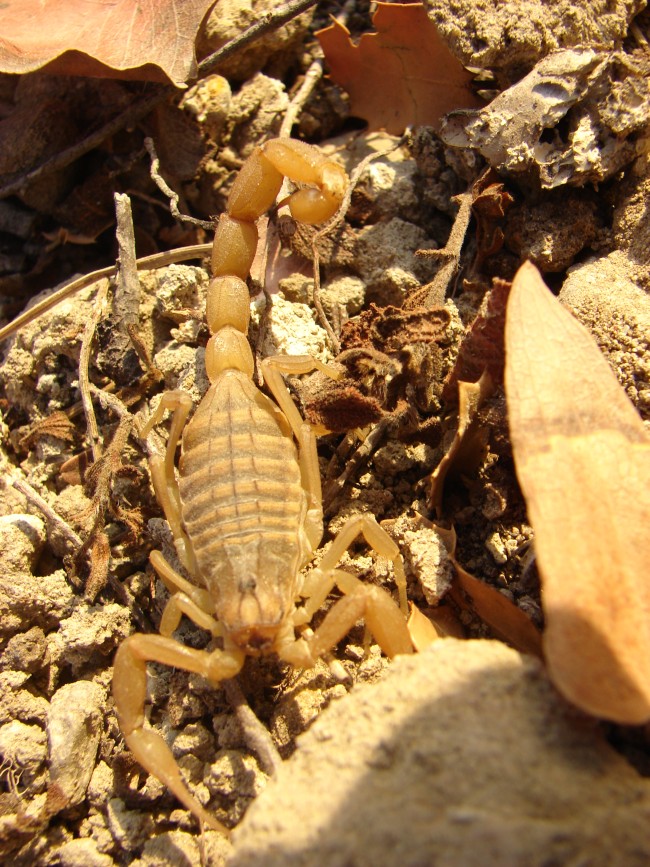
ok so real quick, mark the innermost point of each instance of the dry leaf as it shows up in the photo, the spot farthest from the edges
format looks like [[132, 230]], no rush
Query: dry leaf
[[146, 41], [482, 346], [422, 631], [506, 620], [469, 441], [403, 75], [583, 461]]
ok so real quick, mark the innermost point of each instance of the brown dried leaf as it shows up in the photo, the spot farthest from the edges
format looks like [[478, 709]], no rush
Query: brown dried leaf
[[152, 41], [490, 201], [506, 620], [56, 425], [482, 346], [583, 461], [403, 75], [469, 440]]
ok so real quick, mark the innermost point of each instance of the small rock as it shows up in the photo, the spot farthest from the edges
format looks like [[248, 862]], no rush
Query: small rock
[[180, 849], [101, 785], [387, 263], [21, 540], [74, 728], [90, 629], [23, 750], [128, 828], [208, 101], [194, 740], [291, 329], [26, 651], [497, 548], [344, 293], [17, 703], [426, 554], [235, 774], [82, 853], [25, 599]]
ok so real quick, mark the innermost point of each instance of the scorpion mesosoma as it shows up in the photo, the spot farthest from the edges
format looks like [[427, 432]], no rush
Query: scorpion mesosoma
[[245, 511]]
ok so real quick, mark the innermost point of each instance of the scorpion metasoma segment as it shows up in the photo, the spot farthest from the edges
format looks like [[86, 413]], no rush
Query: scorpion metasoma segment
[[245, 511]]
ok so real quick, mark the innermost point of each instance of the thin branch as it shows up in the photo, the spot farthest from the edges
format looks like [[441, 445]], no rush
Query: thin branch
[[48, 512], [84, 379], [256, 736], [435, 291], [267, 22], [126, 298], [173, 196], [311, 79]]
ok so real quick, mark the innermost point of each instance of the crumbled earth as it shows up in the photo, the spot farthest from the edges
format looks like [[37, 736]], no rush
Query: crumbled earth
[[463, 754]]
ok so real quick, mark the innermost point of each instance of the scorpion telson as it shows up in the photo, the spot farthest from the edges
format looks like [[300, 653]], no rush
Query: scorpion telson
[[245, 507]]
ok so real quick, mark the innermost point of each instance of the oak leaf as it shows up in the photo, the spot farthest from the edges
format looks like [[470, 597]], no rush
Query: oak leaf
[[150, 40], [402, 75], [582, 457]]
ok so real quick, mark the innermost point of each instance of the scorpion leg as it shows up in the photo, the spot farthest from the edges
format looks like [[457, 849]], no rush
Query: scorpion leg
[[129, 692], [379, 541], [272, 370], [163, 474], [310, 474], [186, 598], [382, 616]]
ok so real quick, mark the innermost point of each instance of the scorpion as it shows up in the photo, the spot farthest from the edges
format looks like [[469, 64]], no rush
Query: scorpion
[[245, 507]]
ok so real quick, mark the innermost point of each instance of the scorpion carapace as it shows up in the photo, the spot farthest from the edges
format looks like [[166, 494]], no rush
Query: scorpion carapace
[[245, 507]]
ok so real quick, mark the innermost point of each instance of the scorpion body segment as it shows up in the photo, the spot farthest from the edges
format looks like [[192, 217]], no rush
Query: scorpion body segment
[[243, 507], [245, 510]]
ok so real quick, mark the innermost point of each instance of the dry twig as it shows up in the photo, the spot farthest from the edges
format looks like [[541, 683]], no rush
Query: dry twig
[[84, 379], [256, 736], [434, 292], [173, 196]]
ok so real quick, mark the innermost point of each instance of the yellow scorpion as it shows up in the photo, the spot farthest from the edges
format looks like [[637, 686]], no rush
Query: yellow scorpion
[[245, 506]]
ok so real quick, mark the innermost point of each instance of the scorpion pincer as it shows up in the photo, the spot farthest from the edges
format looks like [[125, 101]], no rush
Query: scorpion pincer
[[245, 507]]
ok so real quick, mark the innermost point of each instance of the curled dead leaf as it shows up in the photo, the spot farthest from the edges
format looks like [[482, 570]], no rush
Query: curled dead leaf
[[422, 631], [468, 444], [402, 75], [583, 460], [107, 39]]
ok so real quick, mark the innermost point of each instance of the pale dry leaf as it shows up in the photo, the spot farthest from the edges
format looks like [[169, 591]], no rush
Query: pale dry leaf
[[583, 460], [421, 630], [149, 40], [402, 75]]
